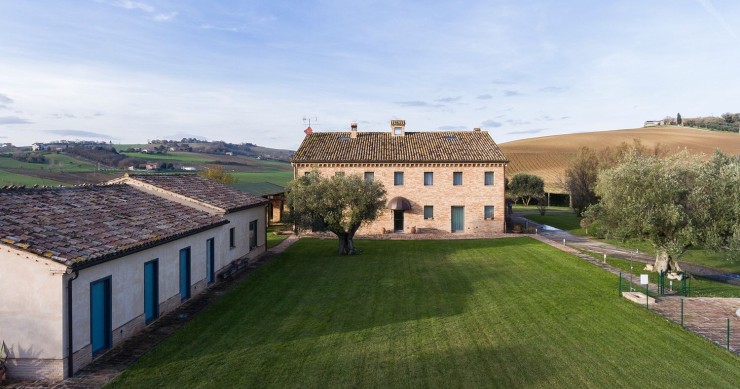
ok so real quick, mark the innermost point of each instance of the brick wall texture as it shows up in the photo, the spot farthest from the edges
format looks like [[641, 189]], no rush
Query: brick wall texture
[[442, 195]]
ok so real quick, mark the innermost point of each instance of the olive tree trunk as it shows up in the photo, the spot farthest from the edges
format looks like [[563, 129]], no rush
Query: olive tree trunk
[[346, 244], [665, 263]]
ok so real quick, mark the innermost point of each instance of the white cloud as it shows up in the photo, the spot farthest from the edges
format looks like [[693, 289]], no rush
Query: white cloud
[[128, 4], [5, 101], [13, 120], [145, 7], [491, 123], [165, 17], [81, 134]]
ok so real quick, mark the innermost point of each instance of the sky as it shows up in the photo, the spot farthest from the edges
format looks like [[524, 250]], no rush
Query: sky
[[251, 71]]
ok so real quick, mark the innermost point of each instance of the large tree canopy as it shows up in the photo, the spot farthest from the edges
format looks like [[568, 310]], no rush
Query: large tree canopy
[[526, 187], [580, 179], [673, 202], [340, 203], [217, 173]]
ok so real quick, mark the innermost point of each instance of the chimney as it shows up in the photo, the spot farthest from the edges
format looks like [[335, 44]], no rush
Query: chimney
[[398, 127], [353, 134], [476, 129]]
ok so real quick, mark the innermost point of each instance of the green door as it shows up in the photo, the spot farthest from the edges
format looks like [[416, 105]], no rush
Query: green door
[[151, 290], [398, 221], [100, 315], [458, 219]]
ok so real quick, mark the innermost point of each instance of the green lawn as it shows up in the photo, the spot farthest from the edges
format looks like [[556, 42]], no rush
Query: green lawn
[[279, 177], [54, 162], [570, 222], [471, 313], [700, 286], [272, 238], [533, 208], [696, 256], [8, 178], [567, 221]]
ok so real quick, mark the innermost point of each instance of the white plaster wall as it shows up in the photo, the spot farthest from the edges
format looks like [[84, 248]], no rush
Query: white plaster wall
[[240, 221], [127, 281], [31, 303]]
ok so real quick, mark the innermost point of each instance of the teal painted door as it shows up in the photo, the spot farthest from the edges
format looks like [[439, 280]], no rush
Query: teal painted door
[[398, 221], [151, 290], [100, 315], [185, 273], [210, 261], [458, 219]]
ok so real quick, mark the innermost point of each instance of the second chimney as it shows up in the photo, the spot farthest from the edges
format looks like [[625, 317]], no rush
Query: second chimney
[[353, 134]]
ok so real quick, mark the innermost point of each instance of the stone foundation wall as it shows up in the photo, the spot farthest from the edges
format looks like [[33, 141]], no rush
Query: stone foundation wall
[[32, 369]]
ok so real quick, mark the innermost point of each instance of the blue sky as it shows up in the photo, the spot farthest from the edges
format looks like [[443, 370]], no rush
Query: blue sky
[[250, 71]]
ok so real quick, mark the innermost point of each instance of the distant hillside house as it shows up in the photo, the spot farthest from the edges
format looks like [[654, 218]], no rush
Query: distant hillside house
[[436, 181], [38, 147], [653, 123], [84, 268]]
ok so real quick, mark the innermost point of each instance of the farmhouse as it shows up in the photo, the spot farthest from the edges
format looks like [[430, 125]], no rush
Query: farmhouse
[[84, 268], [436, 181]]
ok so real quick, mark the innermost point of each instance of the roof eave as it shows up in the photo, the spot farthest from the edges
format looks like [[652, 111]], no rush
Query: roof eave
[[145, 246], [243, 207]]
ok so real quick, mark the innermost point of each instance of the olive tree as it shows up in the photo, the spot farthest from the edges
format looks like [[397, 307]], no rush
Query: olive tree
[[341, 204], [675, 203], [526, 187]]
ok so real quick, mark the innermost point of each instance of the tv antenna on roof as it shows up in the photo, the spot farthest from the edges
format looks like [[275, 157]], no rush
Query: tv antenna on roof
[[308, 129]]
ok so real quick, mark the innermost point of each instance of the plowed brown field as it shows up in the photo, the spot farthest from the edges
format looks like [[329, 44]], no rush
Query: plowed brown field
[[549, 156]]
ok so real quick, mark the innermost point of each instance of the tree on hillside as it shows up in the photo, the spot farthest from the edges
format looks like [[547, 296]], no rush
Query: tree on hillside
[[341, 203], [526, 187], [679, 120], [673, 202], [580, 179], [217, 173]]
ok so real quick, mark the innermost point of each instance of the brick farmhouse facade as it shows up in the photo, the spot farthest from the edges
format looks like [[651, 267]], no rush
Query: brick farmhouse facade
[[435, 181]]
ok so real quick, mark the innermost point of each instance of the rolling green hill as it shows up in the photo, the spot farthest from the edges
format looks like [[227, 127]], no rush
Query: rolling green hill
[[63, 169]]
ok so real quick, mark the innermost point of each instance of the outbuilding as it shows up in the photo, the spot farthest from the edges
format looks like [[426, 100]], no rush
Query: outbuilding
[[84, 268]]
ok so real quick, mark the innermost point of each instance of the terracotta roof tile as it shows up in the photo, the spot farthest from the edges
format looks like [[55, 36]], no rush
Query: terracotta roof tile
[[82, 225], [447, 146], [203, 190]]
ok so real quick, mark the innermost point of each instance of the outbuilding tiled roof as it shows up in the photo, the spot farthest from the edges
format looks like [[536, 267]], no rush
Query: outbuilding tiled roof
[[201, 189], [263, 188], [83, 225], [447, 146]]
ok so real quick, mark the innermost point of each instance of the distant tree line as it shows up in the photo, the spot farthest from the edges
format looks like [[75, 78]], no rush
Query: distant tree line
[[107, 156], [29, 157], [183, 140], [582, 173], [727, 122], [220, 147]]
